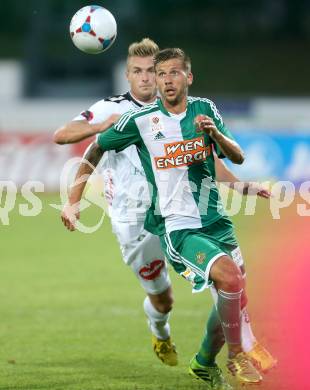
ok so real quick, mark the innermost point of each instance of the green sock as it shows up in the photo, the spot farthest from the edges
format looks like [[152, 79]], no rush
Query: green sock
[[213, 340]]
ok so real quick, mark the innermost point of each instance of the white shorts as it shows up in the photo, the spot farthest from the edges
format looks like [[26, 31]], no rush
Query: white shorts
[[141, 250]]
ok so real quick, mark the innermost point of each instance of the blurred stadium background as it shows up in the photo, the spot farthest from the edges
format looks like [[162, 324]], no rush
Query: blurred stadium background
[[252, 59]]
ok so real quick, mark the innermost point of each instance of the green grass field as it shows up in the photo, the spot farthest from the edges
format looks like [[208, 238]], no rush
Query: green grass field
[[71, 314]]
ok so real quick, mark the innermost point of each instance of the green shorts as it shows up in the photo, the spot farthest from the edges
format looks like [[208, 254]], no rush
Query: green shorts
[[192, 252]]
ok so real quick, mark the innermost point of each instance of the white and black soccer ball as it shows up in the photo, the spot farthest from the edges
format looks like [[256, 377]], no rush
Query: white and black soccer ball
[[93, 29]]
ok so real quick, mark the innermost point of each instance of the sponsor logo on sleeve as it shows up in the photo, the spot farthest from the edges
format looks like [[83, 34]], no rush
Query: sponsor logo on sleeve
[[182, 153], [88, 115]]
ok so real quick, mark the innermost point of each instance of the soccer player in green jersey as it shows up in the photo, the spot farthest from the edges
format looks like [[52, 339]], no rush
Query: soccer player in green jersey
[[175, 137]]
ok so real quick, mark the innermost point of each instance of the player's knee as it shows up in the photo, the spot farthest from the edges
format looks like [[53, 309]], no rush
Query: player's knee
[[235, 282], [163, 302], [165, 305], [226, 275], [169, 304], [230, 282]]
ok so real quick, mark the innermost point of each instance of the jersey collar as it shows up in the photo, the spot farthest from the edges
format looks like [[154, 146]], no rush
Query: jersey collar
[[129, 97], [162, 107]]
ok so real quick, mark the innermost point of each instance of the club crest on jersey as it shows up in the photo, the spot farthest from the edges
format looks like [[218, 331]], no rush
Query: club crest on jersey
[[157, 128], [181, 153]]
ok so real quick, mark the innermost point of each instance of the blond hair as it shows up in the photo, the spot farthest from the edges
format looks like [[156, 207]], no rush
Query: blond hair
[[145, 48]]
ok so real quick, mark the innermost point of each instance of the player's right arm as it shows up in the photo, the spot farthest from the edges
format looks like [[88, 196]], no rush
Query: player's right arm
[[98, 118], [78, 130]]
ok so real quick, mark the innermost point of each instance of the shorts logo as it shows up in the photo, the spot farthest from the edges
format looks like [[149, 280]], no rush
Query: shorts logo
[[200, 257], [182, 153], [152, 271]]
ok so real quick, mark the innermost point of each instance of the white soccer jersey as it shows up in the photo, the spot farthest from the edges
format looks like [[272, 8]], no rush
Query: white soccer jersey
[[126, 188]]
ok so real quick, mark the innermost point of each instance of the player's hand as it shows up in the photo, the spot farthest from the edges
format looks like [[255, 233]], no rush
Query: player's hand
[[70, 214], [109, 122], [255, 188], [206, 124]]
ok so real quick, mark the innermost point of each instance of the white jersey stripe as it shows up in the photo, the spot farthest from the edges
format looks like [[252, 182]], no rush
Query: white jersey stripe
[[123, 118], [176, 259]]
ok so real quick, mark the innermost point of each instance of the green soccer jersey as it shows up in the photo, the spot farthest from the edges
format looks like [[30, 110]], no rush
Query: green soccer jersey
[[178, 162]]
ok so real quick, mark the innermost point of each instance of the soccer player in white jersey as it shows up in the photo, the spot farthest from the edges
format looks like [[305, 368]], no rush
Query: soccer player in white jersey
[[79, 132], [123, 174]]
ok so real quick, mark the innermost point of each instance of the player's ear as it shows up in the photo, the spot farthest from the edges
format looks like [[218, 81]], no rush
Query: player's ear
[[190, 78]]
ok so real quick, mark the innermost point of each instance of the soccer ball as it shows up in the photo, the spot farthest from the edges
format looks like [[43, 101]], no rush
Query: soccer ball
[[93, 29]]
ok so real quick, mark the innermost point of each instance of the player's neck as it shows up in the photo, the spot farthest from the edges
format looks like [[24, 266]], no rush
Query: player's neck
[[142, 100], [176, 108]]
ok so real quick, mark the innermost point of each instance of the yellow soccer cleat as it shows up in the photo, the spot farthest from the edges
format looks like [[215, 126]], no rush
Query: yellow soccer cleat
[[165, 351], [243, 370], [261, 358]]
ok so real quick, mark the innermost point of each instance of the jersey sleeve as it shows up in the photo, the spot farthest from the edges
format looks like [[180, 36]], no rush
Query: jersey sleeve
[[118, 137], [219, 123], [98, 112]]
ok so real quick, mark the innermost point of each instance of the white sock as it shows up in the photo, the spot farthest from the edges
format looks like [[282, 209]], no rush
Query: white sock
[[158, 322], [247, 337]]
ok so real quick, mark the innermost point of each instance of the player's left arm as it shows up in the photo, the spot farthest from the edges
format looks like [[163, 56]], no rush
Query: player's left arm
[[71, 211], [212, 124], [225, 175]]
